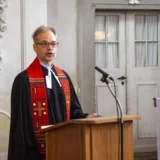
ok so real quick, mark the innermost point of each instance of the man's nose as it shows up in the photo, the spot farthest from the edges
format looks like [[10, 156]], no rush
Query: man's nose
[[50, 46]]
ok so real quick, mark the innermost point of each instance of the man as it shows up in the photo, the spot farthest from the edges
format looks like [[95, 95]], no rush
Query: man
[[41, 95]]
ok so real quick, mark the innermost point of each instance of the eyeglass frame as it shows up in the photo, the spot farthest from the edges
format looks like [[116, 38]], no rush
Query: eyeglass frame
[[48, 44]]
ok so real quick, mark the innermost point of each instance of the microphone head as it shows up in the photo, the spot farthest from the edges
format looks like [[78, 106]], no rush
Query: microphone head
[[101, 71]]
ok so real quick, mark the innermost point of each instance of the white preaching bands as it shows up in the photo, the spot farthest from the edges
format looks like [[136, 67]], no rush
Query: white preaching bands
[[49, 76]]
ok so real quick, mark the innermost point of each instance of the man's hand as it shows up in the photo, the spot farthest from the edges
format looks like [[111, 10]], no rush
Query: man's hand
[[92, 115]]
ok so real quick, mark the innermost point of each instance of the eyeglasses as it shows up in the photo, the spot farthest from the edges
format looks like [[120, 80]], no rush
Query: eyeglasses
[[47, 44]]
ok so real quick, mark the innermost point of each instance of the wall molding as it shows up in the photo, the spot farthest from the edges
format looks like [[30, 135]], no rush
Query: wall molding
[[23, 34], [3, 21], [5, 113], [139, 84]]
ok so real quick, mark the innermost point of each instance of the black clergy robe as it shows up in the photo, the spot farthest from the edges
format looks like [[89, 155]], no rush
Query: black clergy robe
[[22, 142]]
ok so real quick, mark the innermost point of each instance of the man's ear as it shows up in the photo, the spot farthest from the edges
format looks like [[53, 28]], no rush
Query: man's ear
[[34, 47]]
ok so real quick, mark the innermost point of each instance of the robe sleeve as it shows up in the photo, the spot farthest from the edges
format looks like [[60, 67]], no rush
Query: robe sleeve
[[22, 142], [76, 109]]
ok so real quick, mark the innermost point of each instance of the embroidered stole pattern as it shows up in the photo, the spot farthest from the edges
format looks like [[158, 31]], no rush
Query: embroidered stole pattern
[[65, 85], [39, 101]]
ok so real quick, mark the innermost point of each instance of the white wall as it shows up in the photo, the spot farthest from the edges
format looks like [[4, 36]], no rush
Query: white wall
[[35, 14], [23, 17], [10, 47], [62, 15]]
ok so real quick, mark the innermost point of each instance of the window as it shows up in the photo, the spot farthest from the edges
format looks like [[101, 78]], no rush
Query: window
[[146, 40], [107, 41]]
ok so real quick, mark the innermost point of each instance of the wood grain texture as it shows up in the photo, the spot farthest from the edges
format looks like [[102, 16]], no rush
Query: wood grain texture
[[65, 143], [89, 141], [105, 141]]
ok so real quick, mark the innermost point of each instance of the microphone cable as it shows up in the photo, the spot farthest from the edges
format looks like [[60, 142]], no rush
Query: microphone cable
[[120, 123], [118, 114]]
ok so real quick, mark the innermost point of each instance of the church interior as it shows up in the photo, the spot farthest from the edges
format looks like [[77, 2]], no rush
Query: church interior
[[121, 37]]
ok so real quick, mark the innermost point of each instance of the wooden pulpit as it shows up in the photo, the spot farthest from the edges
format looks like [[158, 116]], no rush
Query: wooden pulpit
[[89, 139]]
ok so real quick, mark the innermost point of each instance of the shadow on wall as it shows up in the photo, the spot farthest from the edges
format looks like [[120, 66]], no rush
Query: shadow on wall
[[4, 134]]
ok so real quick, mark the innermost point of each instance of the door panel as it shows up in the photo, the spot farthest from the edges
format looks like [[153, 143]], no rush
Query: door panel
[[143, 74], [110, 57], [138, 61]]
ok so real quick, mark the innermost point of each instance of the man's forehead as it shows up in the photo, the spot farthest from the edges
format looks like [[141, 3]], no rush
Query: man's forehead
[[47, 36]]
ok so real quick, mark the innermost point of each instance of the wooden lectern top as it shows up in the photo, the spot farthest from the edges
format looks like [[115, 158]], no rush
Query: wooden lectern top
[[109, 119], [98, 120]]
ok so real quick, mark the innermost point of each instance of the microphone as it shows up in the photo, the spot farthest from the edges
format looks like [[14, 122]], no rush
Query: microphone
[[105, 75], [101, 71]]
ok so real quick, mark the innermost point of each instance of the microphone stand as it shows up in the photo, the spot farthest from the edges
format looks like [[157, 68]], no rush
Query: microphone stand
[[120, 119]]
